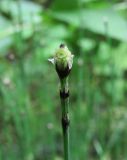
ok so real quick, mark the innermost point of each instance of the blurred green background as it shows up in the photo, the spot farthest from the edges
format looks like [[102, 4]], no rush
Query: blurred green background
[[30, 114]]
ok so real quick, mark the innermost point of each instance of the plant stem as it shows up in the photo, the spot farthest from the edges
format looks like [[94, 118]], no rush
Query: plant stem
[[64, 96]]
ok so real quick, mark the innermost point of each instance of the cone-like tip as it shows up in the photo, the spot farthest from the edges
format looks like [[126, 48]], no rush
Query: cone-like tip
[[62, 45], [63, 61]]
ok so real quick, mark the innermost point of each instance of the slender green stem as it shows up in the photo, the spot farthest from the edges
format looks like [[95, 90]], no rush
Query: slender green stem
[[63, 61], [64, 95]]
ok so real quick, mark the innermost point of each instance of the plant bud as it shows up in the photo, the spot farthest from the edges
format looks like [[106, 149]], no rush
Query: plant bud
[[63, 61]]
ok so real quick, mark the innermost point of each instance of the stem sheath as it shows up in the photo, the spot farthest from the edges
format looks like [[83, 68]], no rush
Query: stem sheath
[[64, 96]]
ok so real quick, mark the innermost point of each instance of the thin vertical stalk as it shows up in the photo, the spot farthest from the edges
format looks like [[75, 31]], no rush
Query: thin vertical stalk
[[22, 86], [1, 152], [63, 61], [64, 96], [81, 56], [107, 123], [111, 60]]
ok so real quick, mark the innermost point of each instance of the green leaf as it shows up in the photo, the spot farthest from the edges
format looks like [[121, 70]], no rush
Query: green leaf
[[4, 43], [3, 40], [93, 20], [117, 26], [24, 9], [120, 57]]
